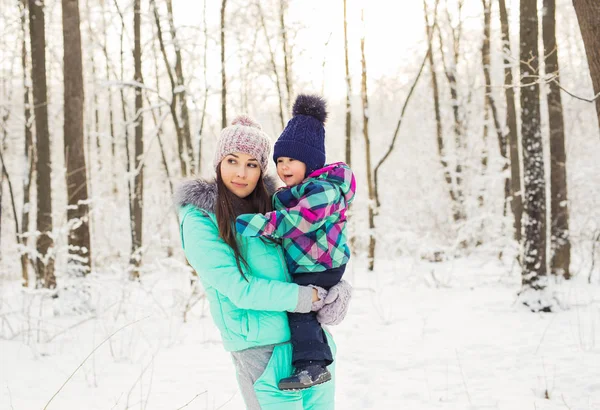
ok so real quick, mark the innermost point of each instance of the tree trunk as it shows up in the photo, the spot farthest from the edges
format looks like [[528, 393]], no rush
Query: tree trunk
[[451, 75], [113, 140], [223, 73], [204, 68], [489, 99], [125, 121], [365, 104], [138, 180], [516, 202], [29, 152], [430, 27], [45, 258], [6, 92], [559, 209], [273, 65], [286, 50], [181, 143], [534, 260], [181, 95], [348, 93], [80, 262], [588, 14], [96, 105]]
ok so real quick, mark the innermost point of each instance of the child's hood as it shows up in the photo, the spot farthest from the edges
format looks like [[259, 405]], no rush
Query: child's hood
[[340, 175]]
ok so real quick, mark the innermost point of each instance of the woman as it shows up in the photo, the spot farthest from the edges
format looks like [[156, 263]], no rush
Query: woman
[[245, 279]]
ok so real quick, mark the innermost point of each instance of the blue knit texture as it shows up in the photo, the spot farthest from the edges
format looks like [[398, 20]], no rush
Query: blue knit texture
[[303, 138]]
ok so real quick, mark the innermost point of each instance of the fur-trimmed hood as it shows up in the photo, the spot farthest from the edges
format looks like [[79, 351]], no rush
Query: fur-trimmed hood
[[203, 193]]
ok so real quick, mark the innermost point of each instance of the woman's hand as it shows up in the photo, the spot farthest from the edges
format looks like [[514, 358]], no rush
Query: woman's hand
[[335, 304]]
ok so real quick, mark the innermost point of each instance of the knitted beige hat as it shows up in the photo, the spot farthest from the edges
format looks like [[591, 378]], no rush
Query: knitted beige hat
[[244, 135]]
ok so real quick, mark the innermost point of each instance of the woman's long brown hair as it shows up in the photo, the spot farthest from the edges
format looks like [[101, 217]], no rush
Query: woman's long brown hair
[[258, 201]]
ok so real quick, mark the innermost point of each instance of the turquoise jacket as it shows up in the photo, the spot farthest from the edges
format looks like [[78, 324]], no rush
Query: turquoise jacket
[[248, 313]]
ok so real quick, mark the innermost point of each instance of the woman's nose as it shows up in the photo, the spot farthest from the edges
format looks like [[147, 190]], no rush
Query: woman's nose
[[241, 172]]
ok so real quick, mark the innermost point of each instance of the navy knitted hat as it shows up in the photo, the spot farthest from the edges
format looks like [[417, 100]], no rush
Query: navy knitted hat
[[304, 135]]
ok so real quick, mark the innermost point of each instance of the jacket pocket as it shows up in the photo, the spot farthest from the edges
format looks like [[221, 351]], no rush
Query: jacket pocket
[[250, 326], [268, 394]]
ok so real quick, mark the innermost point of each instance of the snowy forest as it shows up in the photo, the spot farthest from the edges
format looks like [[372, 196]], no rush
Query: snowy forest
[[473, 129]]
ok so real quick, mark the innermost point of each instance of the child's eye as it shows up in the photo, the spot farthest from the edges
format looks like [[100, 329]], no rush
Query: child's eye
[[279, 161]]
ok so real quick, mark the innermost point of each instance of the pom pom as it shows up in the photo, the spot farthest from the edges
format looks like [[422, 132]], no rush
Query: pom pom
[[311, 105], [246, 121]]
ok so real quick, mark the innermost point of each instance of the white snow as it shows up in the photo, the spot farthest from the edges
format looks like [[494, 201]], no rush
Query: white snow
[[405, 344]]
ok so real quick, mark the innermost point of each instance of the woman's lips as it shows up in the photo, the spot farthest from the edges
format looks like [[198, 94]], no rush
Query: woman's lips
[[237, 184]]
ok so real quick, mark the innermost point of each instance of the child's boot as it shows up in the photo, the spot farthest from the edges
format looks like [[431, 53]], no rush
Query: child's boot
[[305, 377]]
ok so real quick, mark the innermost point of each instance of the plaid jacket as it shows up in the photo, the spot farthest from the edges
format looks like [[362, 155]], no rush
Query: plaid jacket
[[310, 218]]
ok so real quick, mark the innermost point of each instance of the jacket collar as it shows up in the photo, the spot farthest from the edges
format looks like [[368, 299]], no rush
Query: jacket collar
[[203, 193]]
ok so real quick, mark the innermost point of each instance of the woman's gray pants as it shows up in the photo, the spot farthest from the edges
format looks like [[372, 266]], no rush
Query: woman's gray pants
[[250, 364]]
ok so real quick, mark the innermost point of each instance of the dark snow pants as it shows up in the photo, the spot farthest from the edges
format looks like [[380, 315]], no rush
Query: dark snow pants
[[308, 339]]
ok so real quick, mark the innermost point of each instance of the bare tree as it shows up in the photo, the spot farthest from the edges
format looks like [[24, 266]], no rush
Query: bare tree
[[370, 183], [95, 105], [158, 121], [559, 209], [29, 148], [204, 68], [180, 119], [125, 119], [5, 112], [516, 202], [430, 27], [373, 176], [138, 179], [588, 14], [348, 93], [45, 260], [490, 103], [223, 73], [451, 72], [77, 194], [534, 258], [273, 64], [111, 123], [286, 49], [181, 94]]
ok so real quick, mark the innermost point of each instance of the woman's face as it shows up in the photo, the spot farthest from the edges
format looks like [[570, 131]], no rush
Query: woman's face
[[240, 173]]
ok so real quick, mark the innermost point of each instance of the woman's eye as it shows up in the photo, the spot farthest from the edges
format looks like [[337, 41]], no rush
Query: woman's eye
[[231, 161], [252, 165]]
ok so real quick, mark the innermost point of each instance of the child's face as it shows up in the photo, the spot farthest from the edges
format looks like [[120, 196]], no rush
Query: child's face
[[290, 170]]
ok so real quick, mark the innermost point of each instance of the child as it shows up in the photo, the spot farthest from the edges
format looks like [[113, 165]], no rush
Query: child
[[310, 218]]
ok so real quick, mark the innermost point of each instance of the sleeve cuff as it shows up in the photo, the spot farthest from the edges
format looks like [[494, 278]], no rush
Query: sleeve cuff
[[304, 304]]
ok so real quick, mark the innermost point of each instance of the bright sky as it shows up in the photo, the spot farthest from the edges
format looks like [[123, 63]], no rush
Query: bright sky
[[394, 35]]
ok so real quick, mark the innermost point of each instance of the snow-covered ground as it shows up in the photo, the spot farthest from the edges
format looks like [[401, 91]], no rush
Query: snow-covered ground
[[418, 336]]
